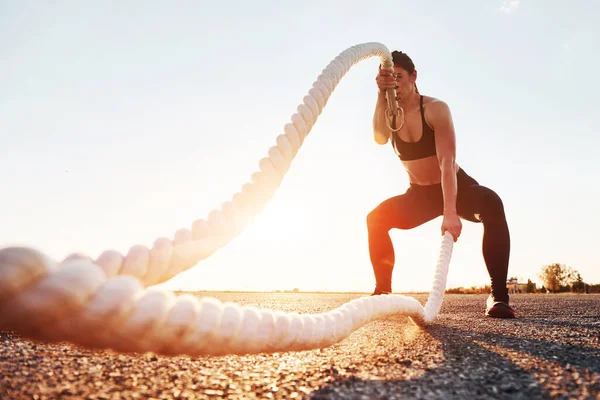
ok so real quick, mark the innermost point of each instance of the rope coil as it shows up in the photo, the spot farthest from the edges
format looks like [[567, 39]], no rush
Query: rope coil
[[107, 302]]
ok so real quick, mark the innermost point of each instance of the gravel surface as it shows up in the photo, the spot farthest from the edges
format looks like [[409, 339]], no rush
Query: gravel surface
[[551, 351]]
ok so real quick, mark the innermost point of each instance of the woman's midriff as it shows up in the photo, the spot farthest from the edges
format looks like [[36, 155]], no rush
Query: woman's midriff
[[425, 171]]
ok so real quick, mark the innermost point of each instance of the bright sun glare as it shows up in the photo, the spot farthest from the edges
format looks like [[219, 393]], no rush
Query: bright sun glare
[[278, 224]]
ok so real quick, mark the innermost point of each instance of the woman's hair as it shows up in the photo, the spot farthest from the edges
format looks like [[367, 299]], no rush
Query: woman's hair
[[402, 60]]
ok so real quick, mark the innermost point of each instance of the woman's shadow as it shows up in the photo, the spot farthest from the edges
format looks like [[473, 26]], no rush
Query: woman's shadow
[[487, 365]]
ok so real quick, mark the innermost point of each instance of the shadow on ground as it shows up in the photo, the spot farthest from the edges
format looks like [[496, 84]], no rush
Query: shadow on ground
[[488, 365]]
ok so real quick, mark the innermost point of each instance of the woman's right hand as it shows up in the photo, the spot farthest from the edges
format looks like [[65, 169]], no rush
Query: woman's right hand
[[385, 80]]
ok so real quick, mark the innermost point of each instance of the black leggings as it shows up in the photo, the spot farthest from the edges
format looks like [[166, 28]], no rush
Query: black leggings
[[420, 204]]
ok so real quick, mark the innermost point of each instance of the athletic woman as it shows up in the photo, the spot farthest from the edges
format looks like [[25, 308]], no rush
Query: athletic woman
[[425, 143]]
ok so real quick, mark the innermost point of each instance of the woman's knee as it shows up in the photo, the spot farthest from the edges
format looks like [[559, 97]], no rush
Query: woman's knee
[[493, 206], [376, 220]]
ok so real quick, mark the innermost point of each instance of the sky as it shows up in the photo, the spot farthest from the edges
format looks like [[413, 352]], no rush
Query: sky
[[121, 122]]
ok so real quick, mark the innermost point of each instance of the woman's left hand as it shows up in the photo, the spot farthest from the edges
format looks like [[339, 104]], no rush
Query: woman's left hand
[[452, 224]]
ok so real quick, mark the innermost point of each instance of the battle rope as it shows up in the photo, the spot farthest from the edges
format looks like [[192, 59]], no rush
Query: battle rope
[[106, 303]]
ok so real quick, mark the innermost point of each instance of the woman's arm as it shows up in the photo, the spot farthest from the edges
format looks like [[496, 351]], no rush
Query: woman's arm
[[440, 119], [380, 128]]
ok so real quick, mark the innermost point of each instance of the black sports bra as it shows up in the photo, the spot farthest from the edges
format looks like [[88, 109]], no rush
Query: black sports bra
[[425, 147]]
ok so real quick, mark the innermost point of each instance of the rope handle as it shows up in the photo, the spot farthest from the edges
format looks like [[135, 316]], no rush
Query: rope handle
[[393, 111]]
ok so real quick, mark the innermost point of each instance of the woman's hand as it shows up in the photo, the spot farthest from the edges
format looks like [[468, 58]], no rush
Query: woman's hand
[[385, 80], [452, 224]]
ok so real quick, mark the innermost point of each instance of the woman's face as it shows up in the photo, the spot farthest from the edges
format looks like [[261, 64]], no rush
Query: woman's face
[[404, 81]]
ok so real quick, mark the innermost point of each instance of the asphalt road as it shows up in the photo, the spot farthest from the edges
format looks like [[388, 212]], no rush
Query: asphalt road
[[551, 351]]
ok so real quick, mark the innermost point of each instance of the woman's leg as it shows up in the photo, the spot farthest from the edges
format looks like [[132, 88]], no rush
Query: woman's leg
[[406, 211], [480, 204]]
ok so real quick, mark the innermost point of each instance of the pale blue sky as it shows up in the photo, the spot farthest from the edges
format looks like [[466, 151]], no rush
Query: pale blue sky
[[121, 122]]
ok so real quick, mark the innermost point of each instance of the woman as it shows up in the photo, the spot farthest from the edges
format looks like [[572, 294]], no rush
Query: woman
[[424, 140]]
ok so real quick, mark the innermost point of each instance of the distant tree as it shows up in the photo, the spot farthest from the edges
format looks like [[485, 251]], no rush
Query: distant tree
[[578, 284], [564, 289], [595, 288], [296, 290], [530, 286], [457, 290], [470, 290], [556, 275], [543, 289]]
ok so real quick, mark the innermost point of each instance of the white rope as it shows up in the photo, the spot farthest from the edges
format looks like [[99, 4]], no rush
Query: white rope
[[106, 303]]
